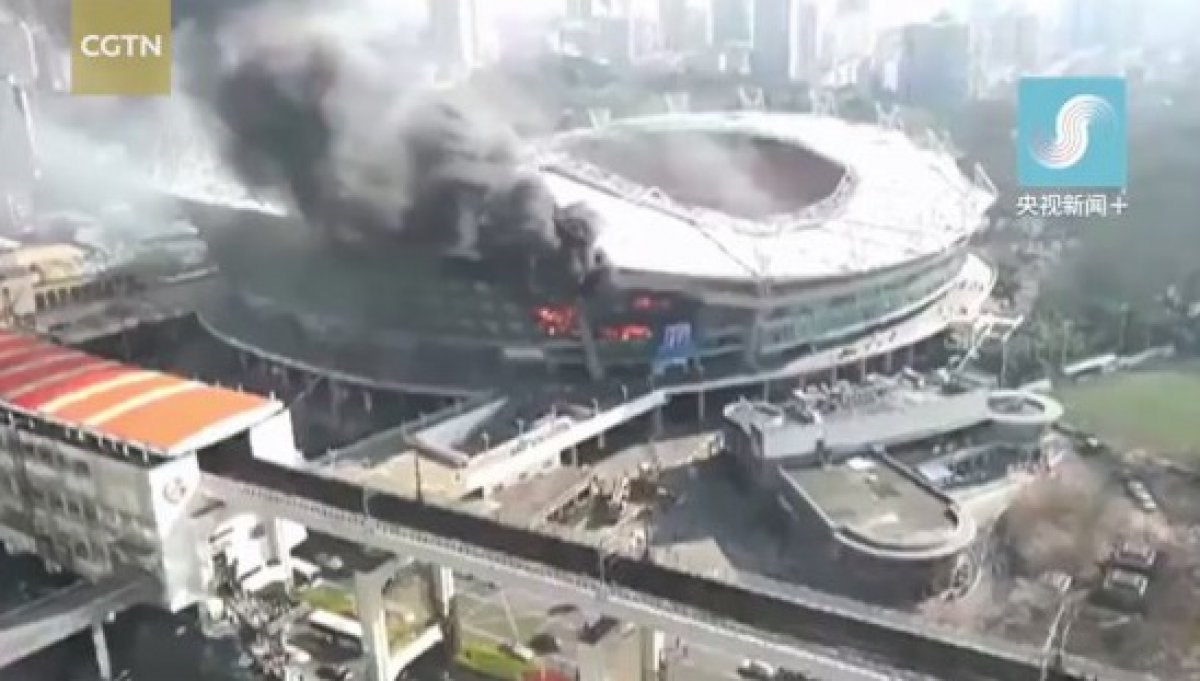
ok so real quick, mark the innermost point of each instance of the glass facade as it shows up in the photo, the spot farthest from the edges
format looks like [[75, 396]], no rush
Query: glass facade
[[800, 324]]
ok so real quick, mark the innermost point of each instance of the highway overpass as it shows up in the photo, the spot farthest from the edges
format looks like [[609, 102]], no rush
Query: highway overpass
[[791, 627]]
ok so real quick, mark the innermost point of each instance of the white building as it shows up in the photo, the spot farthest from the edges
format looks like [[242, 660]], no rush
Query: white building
[[454, 33], [99, 468]]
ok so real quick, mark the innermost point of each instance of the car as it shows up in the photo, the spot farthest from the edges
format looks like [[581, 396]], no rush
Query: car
[[1135, 557], [757, 670], [520, 652], [545, 644], [1123, 590], [1092, 446], [1141, 496]]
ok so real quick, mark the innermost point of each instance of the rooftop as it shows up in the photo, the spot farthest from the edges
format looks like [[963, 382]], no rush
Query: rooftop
[[870, 503], [898, 201], [161, 412]]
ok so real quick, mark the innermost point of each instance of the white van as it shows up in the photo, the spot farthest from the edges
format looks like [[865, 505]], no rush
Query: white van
[[522, 653], [756, 669]]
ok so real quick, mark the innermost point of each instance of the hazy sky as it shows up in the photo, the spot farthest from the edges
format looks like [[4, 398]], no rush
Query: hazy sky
[[887, 12]]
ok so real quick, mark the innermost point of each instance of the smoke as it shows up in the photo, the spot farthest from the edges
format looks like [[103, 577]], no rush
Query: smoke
[[1069, 523], [694, 168], [324, 107]]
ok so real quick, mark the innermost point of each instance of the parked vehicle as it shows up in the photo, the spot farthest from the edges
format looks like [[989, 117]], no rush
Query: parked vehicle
[[757, 670], [1123, 590], [1134, 556], [1137, 490]]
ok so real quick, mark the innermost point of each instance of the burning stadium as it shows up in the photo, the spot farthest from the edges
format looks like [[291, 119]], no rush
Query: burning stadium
[[727, 243], [840, 231]]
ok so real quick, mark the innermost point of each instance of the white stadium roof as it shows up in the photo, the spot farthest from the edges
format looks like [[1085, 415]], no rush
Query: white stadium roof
[[899, 201]]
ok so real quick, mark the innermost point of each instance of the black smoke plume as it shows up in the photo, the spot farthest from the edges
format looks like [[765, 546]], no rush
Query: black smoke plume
[[369, 162]]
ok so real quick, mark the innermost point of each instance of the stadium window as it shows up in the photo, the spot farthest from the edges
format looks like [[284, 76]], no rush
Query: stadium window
[[80, 469]]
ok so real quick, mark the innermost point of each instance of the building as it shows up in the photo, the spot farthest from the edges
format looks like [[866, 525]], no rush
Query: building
[[579, 10], [454, 33], [786, 34], [849, 33], [99, 472], [678, 26], [1111, 24], [1014, 40], [732, 23], [806, 62], [819, 243], [616, 31], [38, 278], [935, 64], [18, 75], [838, 459]]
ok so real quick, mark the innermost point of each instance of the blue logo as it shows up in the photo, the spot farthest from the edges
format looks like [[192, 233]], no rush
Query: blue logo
[[677, 347], [1071, 133]]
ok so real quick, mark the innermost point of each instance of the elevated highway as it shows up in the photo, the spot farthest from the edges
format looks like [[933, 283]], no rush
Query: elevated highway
[[826, 637], [31, 627]]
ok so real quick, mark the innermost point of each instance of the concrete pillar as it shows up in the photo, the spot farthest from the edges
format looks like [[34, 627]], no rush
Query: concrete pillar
[[591, 662], [862, 369], [373, 619], [910, 356], [574, 456], [766, 395], [443, 589], [833, 374], [600, 441], [888, 359], [100, 643], [753, 338], [700, 406], [278, 546], [651, 651], [656, 423], [337, 395]]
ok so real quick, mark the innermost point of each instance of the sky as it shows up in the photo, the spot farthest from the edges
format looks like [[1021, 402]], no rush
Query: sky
[[887, 12]]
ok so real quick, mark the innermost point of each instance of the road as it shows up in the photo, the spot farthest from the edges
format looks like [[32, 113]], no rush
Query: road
[[489, 614]]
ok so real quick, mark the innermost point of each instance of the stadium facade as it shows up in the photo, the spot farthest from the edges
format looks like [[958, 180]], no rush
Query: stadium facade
[[739, 243]]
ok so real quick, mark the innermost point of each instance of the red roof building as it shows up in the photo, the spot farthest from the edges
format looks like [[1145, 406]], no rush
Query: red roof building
[[161, 412]]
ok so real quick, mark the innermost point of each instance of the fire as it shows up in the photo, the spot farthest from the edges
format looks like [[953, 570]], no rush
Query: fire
[[646, 303], [627, 333], [556, 321], [562, 321]]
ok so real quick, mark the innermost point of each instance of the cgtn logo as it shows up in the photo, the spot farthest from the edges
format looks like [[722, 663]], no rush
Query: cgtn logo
[[113, 46], [1071, 133], [121, 47]]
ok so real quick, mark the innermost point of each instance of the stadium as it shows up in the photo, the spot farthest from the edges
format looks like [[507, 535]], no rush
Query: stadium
[[742, 244]]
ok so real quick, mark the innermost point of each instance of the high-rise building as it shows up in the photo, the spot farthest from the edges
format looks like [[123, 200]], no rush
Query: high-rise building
[[849, 33], [787, 40], [772, 46], [934, 69], [732, 23], [676, 19], [1112, 24], [454, 33], [1013, 40], [579, 9], [807, 30]]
